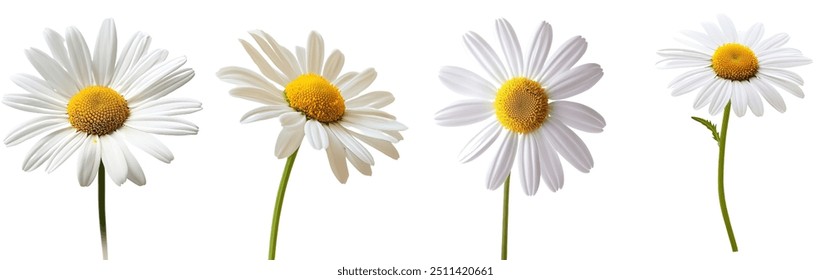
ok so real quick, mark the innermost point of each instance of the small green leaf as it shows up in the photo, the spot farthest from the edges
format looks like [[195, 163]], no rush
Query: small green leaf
[[709, 125]]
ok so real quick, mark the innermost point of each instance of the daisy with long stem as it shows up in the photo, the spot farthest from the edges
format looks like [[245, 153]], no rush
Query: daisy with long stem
[[523, 103], [731, 70], [314, 100], [96, 103]]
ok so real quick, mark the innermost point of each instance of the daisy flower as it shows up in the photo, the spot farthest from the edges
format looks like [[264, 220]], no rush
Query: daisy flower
[[95, 103], [732, 69], [522, 106], [313, 100]]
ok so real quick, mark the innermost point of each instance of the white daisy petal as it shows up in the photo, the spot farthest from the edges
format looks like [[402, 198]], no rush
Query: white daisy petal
[[501, 165], [57, 46], [672, 63], [165, 86], [113, 158], [773, 42], [358, 84], [510, 47], [374, 118], [138, 92], [139, 69], [64, 150], [361, 166], [529, 164], [337, 158], [684, 54], [147, 143], [45, 148], [574, 81], [34, 127], [739, 99], [167, 107], [244, 77], [315, 58], [264, 113], [334, 64], [753, 100], [539, 51], [33, 103], [480, 142], [316, 135], [728, 28], [753, 35], [280, 56], [133, 51], [291, 136], [259, 95], [769, 93], [375, 99], [564, 57], [350, 143], [79, 56], [701, 39], [464, 112], [89, 160], [359, 128], [785, 62], [345, 78], [164, 125], [134, 171], [721, 97], [103, 63], [785, 84], [263, 65], [483, 53], [706, 95], [35, 85], [782, 74], [578, 116], [465, 82], [715, 32], [697, 79], [382, 146], [550, 166], [301, 59], [569, 145], [53, 73]]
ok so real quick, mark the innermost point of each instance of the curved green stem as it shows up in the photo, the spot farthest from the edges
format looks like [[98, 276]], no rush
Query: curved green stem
[[722, 143], [281, 193], [102, 212], [505, 218]]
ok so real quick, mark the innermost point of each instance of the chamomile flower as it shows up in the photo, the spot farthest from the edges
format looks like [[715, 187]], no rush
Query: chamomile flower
[[523, 107], [740, 68], [94, 104], [315, 101]]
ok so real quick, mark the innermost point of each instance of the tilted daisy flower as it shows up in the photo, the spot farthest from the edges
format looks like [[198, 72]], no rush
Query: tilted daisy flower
[[315, 101], [523, 109], [95, 103], [732, 69]]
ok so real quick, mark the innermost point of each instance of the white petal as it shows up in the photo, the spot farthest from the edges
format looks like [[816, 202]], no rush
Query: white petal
[[134, 171], [362, 167], [702, 39], [247, 78], [375, 99], [574, 81], [316, 135], [89, 161], [539, 51], [291, 135], [334, 64], [465, 82], [382, 146], [45, 148], [147, 143], [344, 79], [35, 85], [529, 164], [564, 57], [684, 54], [739, 99], [782, 74], [264, 113], [569, 145], [715, 32], [131, 54], [480, 142], [263, 65], [578, 116], [113, 159], [464, 112], [65, 149], [279, 55], [706, 95], [673, 63], [753, 100], [165, 86], [34, 103], [486, 57], [785, 62], [139, 69], [79, 56], [373, 119], [337, 158], [53, 73], [104, 60], [167, 107], [301, 59], [510, 47], [784, 84], [753, 35], [697, 78], [57, 47], [163, 125], [773, 42], [315, 58], [137, 92], [259, 95], [34, 127], [728, 27], [501, 165], [721, 98], [550, 166], [358, 84], [350, 143], [769, 93]]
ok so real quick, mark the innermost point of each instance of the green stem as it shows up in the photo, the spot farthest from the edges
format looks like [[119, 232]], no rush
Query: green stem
[[102, 212], [505, 218], [281, 193], [722, 143]]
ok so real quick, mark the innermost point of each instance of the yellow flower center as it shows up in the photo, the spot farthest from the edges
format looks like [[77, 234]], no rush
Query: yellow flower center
[[521, 105], [735, 62], [97, 110], [315, 97]]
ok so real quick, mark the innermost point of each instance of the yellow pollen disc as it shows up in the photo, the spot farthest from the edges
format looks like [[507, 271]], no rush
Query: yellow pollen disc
[[315, 97], [521, 105], [97, 110], [735, 62]]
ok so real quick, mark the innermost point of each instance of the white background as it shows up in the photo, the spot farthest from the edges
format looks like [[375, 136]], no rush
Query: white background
[[648, 210]]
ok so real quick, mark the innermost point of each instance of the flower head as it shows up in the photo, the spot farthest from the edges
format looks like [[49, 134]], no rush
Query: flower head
[[734, 67], [522, 103], [314, 100], [98, 102]]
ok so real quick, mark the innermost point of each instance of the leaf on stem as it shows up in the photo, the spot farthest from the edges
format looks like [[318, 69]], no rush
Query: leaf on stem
[[710, 125]]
